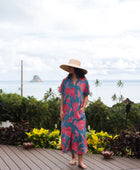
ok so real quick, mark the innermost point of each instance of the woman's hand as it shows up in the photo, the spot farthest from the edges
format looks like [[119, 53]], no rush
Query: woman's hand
[[82, 109], [62, 115]]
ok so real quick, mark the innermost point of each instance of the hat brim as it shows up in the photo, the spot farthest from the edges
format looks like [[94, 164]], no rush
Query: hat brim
[[66, 67]]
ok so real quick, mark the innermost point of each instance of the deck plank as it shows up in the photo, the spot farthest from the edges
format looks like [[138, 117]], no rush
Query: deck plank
[[16, 157], [123, 162], [64, 160], [99, 163], [57, 164], [34, 158], [26, 159], [49, 164], [11, 164], [103, 161], [135, 162], [114, 162], [3, 165]]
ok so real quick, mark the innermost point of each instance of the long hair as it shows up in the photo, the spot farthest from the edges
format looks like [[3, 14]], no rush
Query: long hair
[[79, 73]]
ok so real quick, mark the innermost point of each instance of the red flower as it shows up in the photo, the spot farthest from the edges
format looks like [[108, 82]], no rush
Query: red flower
[[70, 110], [80, 124], [70, 91], [76, 133], [75, 106], [70, 119], [74, 122], [66, 131], [68, 100], [77, 115], [75, 146], [63, 140], [63, 147], [78, 93], [83, 85], [65, 107], [85, 142]]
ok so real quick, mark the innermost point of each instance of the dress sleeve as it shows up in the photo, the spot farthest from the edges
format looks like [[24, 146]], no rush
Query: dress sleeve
[[87, 91], [61, 88]]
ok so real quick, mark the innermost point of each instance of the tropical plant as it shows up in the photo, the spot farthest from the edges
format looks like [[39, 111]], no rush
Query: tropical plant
[[14, 135], [96, 114], [127, 143], [97, 84], [114, 97], [44, 138], [95, 141], [120, 84]]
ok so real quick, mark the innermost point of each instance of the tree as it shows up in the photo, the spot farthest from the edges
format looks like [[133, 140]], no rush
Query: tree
[[121, 98], [120, 84], [97, 84], [114, 97]]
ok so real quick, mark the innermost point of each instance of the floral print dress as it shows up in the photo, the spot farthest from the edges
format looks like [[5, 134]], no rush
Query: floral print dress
[[73, 126]]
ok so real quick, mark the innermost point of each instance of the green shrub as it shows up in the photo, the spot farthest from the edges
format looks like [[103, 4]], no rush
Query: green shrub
[[95, 141], [45, 113], [97, 115], [39, 113]]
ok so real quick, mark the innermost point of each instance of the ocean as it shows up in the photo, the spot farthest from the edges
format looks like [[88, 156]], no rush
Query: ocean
[[131, 89]]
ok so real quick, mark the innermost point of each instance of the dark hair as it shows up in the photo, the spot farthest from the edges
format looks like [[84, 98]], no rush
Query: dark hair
[[79, 73]]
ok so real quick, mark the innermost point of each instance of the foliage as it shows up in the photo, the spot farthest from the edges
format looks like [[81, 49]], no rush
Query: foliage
[[97, 115], [14, 135], [39, 113], [43, 138], [45, 113], [127, 143], [95, 141], [53, 110]]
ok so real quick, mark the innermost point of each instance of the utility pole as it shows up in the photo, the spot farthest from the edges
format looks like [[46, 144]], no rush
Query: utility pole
[[21, 77]]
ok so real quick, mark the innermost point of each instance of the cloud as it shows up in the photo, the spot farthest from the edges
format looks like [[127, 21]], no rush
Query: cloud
[[104, 35]]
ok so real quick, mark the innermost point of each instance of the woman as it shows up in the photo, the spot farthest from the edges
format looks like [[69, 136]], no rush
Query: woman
[[74, 91]]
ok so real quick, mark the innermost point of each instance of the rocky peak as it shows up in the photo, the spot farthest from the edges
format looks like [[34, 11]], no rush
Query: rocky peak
[[36, 78]]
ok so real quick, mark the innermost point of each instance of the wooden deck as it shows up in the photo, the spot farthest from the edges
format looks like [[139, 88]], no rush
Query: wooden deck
[[15, 158]]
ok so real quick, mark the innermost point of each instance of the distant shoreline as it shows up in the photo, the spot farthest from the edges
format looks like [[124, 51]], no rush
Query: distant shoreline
[[135, 80]]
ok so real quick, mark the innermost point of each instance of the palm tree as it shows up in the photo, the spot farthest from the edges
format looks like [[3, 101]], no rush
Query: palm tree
[[121, 98], [97, 84], [120, 84], [114, 97]]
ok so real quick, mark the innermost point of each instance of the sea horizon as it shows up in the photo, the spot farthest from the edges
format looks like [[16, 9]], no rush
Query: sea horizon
[[105, 91]]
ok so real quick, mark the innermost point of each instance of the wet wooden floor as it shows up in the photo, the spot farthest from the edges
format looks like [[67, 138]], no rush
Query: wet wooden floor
[[15, 158]]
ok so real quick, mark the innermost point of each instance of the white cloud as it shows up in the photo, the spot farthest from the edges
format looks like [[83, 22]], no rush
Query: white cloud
[[104, 35]]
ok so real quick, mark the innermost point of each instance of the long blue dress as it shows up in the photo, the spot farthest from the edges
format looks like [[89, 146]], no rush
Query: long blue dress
[[73, 126]]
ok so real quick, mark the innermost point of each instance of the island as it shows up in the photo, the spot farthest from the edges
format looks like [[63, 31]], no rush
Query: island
[[36, 78]]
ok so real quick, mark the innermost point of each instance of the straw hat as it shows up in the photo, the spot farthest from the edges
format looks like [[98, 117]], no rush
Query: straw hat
[[73, 63]]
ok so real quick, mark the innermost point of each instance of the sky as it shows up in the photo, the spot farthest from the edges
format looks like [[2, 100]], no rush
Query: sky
[[103, 34]]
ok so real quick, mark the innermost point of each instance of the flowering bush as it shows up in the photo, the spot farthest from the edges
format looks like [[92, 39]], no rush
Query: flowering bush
[[43, 138], [95, 141]]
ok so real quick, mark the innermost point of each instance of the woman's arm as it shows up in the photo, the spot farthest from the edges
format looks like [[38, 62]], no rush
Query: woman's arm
[[84, 104], [61, 108]]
